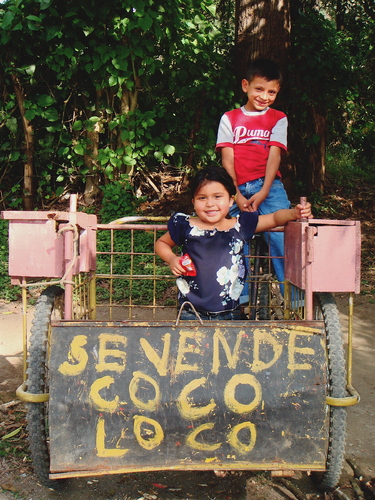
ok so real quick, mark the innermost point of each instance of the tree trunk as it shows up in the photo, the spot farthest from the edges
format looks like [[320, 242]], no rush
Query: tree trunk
[[307, 123], [29, 188], [129, 103], [262, 30], [92, 149], [318, 151]]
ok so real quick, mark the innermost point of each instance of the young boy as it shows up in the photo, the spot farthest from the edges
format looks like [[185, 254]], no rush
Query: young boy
[[251, 140]]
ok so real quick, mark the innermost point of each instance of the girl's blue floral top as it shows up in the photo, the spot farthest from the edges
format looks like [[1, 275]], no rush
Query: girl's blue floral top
[[219, 259]]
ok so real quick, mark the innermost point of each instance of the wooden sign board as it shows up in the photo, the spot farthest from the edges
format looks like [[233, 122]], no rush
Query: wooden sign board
[[138, 396]]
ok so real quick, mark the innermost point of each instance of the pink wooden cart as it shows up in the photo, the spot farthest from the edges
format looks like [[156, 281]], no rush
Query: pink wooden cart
[[113, 386]]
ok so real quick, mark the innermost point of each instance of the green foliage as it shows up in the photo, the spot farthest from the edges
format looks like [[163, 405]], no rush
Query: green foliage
[[118, 201], [7, 291], [332, 83], [110, 87], [320, 66], [113, 87], [343, 166]]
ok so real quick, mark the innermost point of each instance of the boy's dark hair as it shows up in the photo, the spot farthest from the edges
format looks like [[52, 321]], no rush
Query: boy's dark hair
[[264, 68], [212, 174]]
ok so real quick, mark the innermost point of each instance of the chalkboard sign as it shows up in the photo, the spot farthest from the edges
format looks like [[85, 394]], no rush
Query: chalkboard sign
[[233, 395]]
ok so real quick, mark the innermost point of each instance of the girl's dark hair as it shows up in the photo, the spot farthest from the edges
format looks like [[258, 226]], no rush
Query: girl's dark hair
[[213, 174]]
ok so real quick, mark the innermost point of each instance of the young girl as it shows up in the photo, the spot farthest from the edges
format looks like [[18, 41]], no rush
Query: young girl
[[215, 245]]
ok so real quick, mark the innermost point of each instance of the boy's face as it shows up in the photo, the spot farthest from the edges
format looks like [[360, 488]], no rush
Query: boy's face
[[261, 93]]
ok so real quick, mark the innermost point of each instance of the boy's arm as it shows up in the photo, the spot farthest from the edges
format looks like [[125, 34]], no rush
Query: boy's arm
[[273, 164], [163, 248], [281, 217], [227, 160]]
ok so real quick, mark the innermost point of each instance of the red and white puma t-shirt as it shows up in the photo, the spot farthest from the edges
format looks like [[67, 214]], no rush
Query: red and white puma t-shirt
[[250, 134]]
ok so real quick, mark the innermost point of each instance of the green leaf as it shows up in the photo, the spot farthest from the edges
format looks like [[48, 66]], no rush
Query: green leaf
[[51, 32], [63, 151], [145, 22], [50, 114], [138, 51], [150, 122], [79, 150], [169, 149], [44, 4], [34, 18], [129, 161], [60, 178], [77, 125], [11, 124], [7, 19], [30, 114], [15, 155], [30, 70], [68, 52], [12, 434], [121, 64], [45, 100], [112, 81], [53, 128]]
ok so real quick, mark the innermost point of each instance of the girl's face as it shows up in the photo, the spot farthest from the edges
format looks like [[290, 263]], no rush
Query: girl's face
[[212, 202]]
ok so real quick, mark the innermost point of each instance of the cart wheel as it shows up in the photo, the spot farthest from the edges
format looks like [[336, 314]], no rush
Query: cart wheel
[[325, 308], [264, 310], [49, 306]]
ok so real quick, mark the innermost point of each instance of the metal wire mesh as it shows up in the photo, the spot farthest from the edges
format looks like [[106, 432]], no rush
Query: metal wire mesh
[[131, 281]]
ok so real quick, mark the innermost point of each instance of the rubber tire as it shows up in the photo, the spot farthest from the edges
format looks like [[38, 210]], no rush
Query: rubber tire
[[37, 382], [325, 308], [263, 288], [264, 311]]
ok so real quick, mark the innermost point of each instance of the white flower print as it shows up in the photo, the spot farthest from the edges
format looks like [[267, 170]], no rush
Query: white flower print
[[235, 290], [230, 279], [183, 286], [196, 231], [223, 275], [237, 246]]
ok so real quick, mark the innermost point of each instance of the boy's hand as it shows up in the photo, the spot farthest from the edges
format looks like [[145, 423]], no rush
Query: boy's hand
[[303, 211], [243, 203], [256, 200]]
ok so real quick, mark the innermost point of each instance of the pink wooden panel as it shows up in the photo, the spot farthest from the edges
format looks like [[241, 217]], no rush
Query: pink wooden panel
[[336, 255], [86, 260], [35, 250], [295, 244], [335, 266]]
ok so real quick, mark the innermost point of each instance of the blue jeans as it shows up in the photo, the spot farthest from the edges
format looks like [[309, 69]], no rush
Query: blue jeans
[[189, 314], [276, 200]]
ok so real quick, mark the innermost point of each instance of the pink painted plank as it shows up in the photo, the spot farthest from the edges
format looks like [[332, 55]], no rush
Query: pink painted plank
[[336, 255]]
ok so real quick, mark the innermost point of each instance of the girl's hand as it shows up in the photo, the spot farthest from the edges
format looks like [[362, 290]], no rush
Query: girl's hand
[[175, 266], [304, 211]]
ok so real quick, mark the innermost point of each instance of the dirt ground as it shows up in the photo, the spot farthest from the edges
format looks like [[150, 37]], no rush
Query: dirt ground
[[18, 481]]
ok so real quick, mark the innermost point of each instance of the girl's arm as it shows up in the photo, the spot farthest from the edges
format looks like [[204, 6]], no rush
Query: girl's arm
[[163, 248], [281, 217]]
